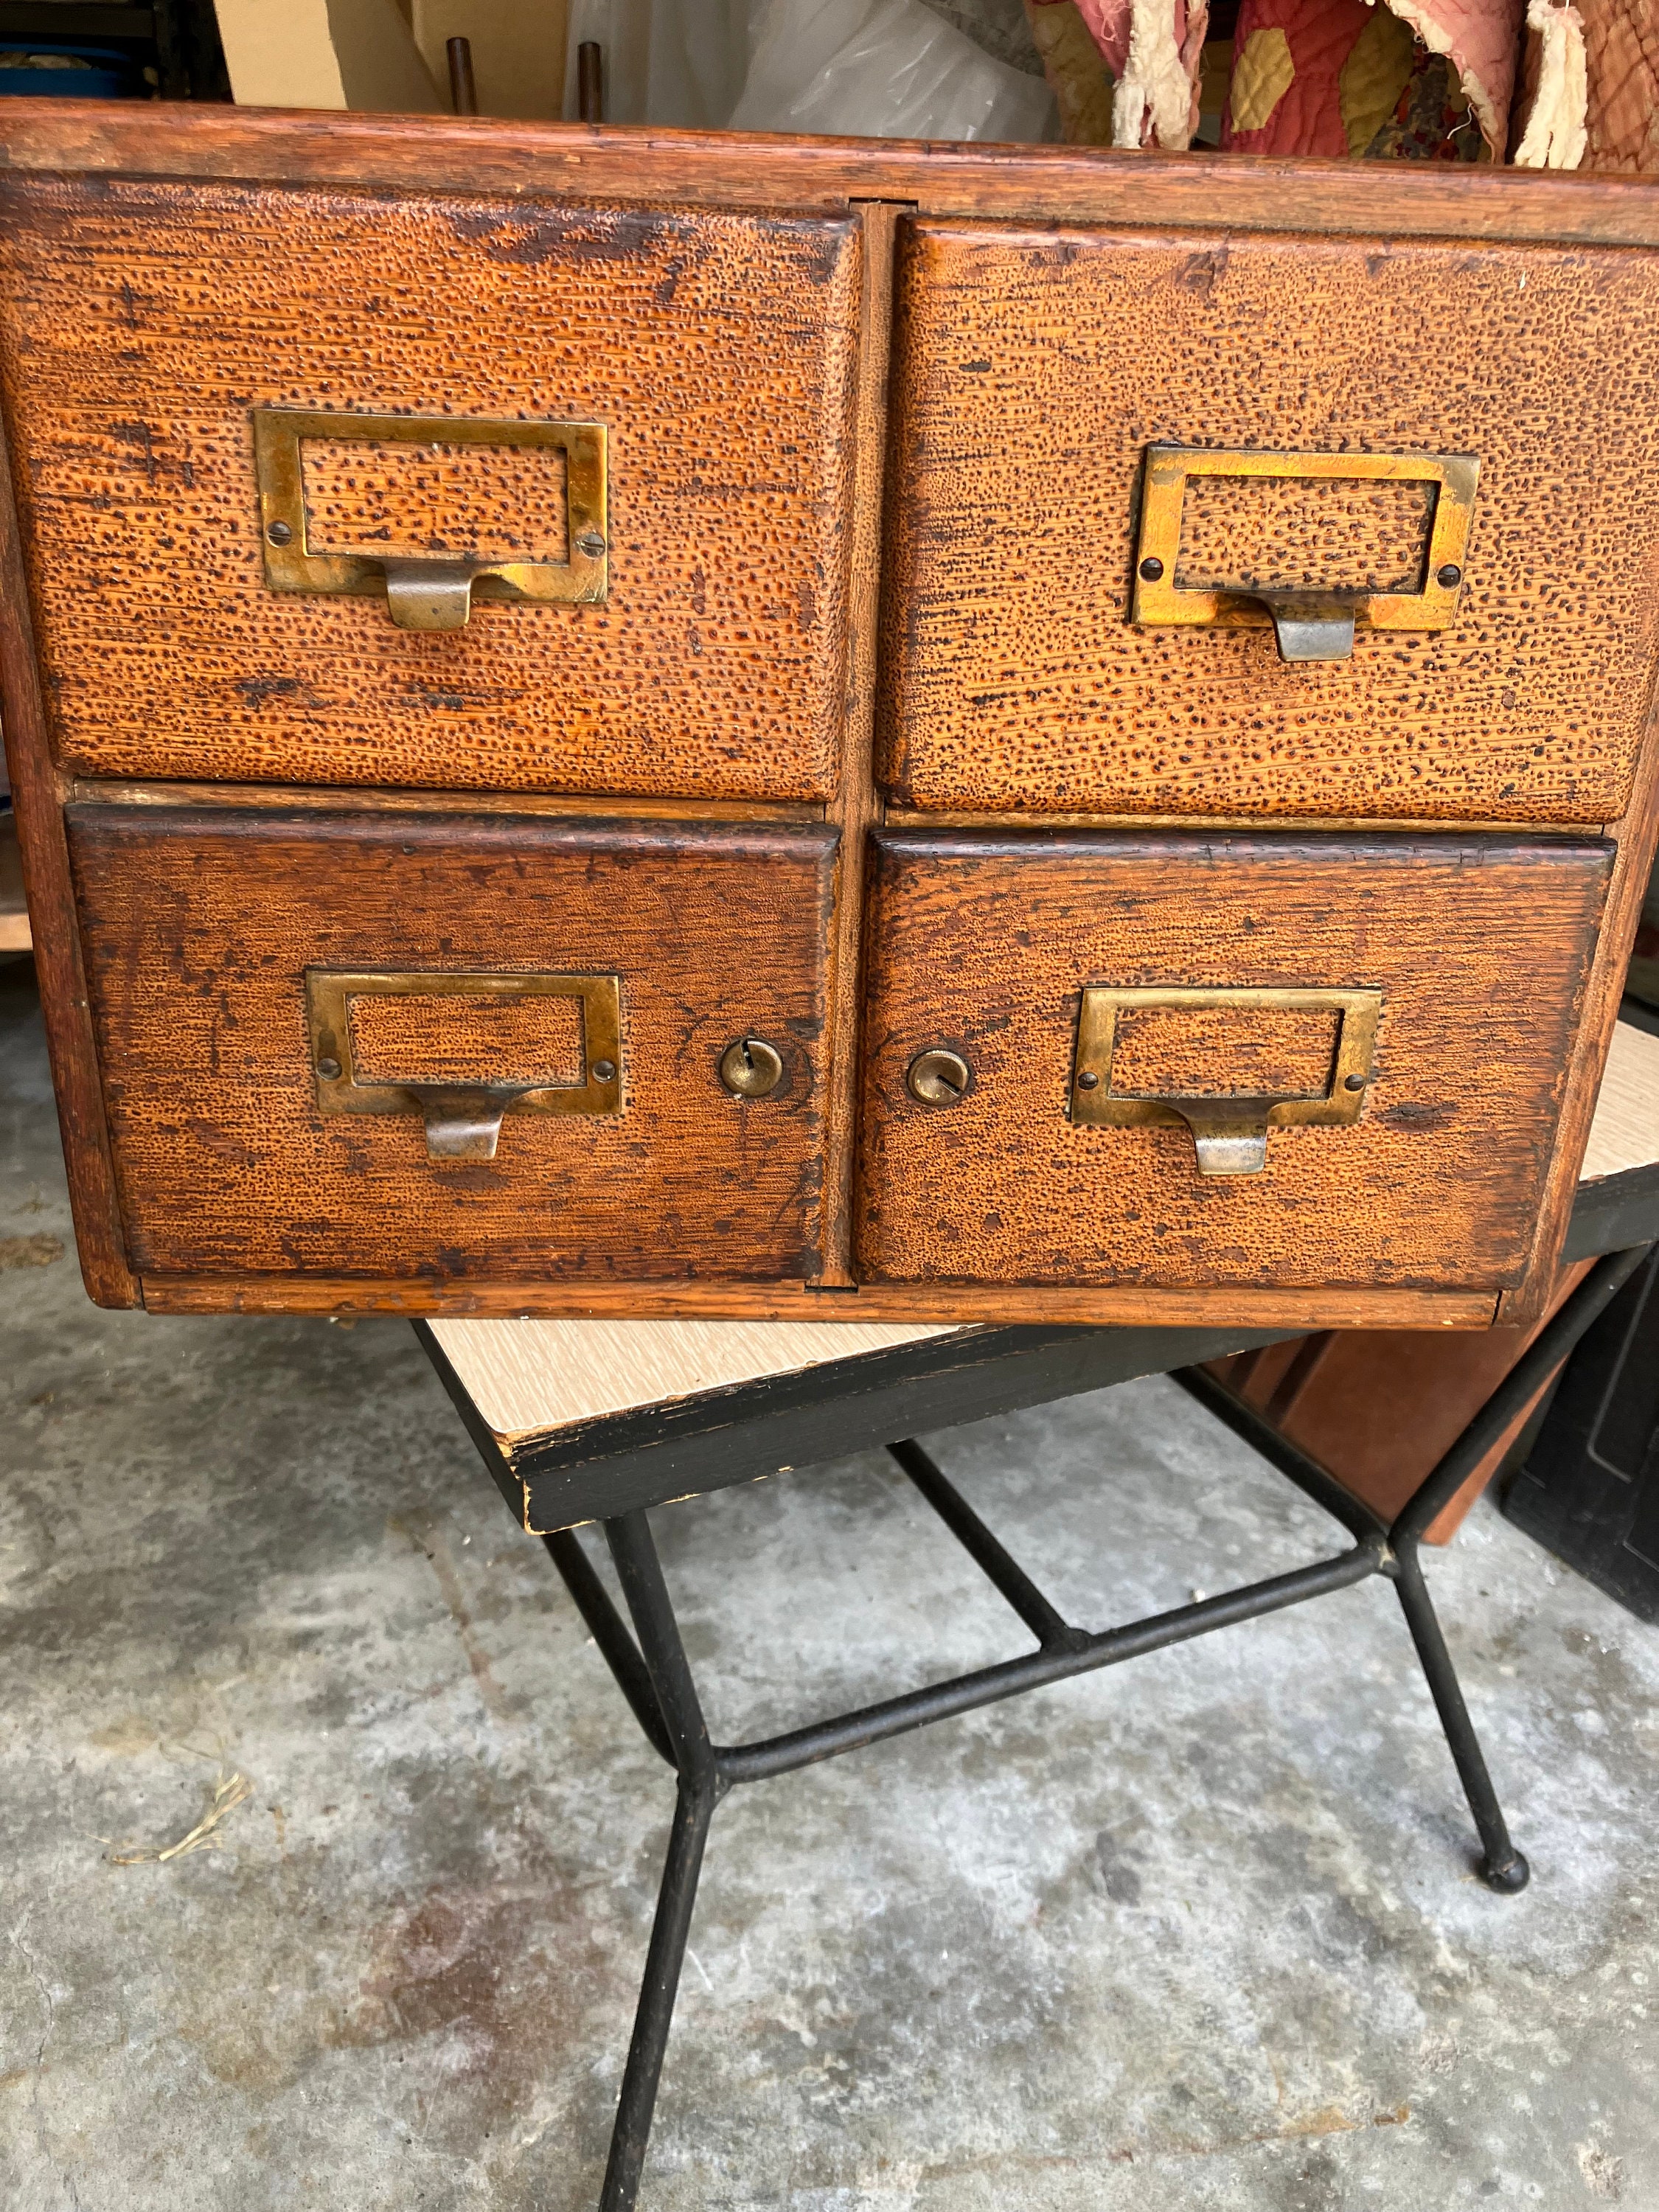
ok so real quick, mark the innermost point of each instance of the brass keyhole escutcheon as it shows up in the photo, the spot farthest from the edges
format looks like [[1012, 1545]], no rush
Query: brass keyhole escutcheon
[[938, 1078], [752, 1068]]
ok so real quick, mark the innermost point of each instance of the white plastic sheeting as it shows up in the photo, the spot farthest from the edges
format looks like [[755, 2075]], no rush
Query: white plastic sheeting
[[875, 69]]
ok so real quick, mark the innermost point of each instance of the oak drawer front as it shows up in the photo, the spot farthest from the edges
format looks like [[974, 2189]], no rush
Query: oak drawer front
[[698, 365], [1035, 372], [1195, 995], [458, 1048]]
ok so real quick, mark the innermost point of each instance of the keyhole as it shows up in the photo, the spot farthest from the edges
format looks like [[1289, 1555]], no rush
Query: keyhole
[[752, 1068], [938, 1078]]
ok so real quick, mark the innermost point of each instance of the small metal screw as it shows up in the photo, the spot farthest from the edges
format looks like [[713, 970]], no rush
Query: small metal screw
[[1151, 568], [938, 1078], [1355, 1082], [591, 543], [1087, 1080], [604, 1071], [328, 1069], [280, 534], [752, 1068], [1448, 577]]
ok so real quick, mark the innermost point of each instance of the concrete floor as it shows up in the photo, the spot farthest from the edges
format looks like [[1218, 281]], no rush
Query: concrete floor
[[1199, 1932]]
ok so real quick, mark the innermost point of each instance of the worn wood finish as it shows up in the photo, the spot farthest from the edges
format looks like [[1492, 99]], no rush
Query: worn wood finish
[[717, 169], [1377, 1408], [120, 791], [1290, 1311], [56, 937], [498, 502], [585, 1418], [1032, 369], [454, 1038], [199, 928], [1586, 1060], [857, 803], [984, 944], [139, 323], [709, 750], [1244, 1052], [1241, 533]]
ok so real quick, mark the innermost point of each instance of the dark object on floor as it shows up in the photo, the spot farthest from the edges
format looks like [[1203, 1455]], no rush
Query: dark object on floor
[[1589, 1490], [41, 69]]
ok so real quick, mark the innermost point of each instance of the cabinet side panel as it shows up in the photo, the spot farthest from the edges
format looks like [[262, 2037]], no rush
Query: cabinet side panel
[[93, 1198]]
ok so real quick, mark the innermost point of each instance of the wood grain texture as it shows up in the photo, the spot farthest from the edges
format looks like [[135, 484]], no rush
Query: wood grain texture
[[1032, 369], [93, 1200], [1239, 533], [985, 945], [527, 1378], [120, 790], [382, 496], [432, 154], [857, 803], [139, 322], [452, 1038], [199, 927], [956, 1305], [1241, 1052], [1636, 838]]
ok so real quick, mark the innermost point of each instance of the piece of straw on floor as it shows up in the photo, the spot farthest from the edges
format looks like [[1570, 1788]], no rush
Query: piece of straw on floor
[[229, 1791]]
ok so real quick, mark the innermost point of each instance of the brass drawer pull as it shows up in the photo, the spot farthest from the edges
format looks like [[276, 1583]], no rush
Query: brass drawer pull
[[1229, 1128], [463, 1120], [1309, 624], [429, 592]]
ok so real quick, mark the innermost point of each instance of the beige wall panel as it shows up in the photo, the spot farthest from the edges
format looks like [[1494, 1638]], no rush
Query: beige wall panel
[[518, 49], [326, 53]]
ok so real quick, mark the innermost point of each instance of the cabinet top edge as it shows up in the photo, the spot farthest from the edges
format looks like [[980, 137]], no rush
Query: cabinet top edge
[[560, 161]]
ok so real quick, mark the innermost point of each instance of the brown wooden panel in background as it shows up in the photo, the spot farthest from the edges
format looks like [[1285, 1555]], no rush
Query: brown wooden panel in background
[[985, 944], [1033, 367], [1379, 1409], [198, 928], [139, 322]]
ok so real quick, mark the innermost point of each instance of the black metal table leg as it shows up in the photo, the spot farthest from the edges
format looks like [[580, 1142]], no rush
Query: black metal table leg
[[664, 1959], [1500, 1866], [701, 1786]]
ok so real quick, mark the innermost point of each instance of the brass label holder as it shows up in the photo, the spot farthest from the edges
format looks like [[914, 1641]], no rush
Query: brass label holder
[[429, 591], [1229, 1130], [463, 1120], [1309, 625]]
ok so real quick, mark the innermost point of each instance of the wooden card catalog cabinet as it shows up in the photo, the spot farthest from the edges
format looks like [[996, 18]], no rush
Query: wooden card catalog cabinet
[[613, 724]]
